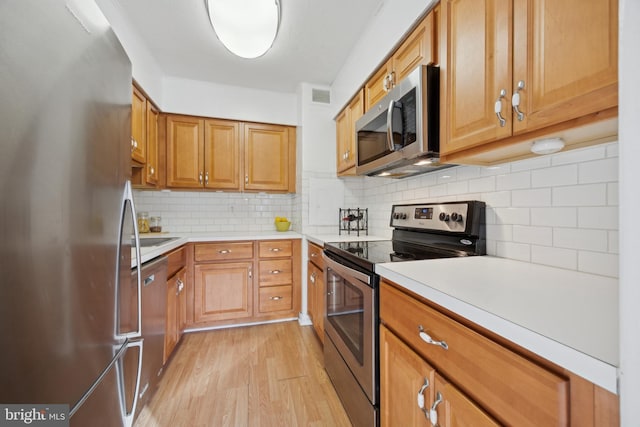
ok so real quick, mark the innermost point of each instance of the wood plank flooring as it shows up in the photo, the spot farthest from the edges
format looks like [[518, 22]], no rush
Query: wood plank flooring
[[264, 375]]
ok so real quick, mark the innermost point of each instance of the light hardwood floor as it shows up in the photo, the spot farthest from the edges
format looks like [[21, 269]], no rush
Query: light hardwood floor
[[264, 375]]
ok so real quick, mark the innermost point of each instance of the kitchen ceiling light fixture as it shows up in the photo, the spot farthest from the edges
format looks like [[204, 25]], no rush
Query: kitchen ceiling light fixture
[[547, 146], [247, 28]]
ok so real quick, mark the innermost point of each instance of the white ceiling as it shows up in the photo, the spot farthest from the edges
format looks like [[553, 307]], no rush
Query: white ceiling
[[314, 40]]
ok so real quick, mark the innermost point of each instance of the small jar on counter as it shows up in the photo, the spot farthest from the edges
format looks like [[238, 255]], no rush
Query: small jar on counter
[[155, 224], [143, 222]]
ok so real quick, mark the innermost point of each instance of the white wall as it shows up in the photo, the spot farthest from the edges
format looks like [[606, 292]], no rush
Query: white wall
[[378, 39], [228, 102], [146, 70], [629, 110]]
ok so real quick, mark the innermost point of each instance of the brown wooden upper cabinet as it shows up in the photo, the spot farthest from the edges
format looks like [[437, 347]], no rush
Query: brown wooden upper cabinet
[[144, 140], [269, 158], [229, 155], [515, 70], [138, 126], [416, 49], [346, 135]]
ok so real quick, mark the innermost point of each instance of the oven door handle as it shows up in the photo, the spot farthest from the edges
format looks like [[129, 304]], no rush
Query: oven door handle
[[345, 271]]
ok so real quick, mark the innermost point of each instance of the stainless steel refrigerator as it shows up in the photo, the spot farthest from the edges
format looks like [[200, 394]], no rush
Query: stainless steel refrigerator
[[69, 316]]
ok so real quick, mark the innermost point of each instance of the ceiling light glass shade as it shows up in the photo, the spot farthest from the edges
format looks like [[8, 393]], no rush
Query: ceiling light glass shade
[[247, 28]]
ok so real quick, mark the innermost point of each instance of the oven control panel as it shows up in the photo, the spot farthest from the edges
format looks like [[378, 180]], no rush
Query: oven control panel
[[448, 217]]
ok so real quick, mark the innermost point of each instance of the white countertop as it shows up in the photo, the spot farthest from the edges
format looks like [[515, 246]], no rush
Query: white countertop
[[567, 317], [150, 252]]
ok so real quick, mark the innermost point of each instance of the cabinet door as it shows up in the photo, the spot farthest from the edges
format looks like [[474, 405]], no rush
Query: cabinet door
[[406, 381], [346, 128], [416, 50], [222, 155], [223, 291], [454, 409], [181, 320], [269, 157], [476, 58], [138, 126], [151, 168], [567, 79], [378, 85], [185, 146]]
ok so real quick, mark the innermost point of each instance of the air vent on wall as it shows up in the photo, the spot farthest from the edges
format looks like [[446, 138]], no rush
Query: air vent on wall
[[321, 96]]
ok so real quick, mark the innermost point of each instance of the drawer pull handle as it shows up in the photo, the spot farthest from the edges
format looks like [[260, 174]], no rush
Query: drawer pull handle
[[313, 255], [433, 413], [275, 272], [224, 251], [421, 397], [498, 108], [149, 280], [427, 338], [276, 298], [313, 277], [275, 249]]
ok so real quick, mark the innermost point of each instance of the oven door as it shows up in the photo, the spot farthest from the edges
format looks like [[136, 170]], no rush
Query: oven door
[[351, 320]]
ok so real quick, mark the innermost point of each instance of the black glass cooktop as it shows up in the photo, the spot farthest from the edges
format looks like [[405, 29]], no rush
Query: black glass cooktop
[[369, 253]]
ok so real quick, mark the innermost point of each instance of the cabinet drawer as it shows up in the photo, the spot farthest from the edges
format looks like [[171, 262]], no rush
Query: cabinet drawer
[[176, 260], [275, 298], [275, 248], [223, 251], [512, 388], [275, 272], [314, 253]]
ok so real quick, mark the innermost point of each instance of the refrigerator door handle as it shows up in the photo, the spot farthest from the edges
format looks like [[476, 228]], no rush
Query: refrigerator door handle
[[128, 200], [127, 417]]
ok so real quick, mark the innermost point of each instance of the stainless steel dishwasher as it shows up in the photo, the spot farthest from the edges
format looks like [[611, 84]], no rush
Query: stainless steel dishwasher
[[154, 280]]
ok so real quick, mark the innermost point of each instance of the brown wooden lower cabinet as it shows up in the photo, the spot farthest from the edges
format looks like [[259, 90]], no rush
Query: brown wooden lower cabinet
[[478, 380], [223, 291], [245, 281]]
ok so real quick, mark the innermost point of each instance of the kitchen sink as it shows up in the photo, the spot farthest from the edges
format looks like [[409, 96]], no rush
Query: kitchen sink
[[153, 241]]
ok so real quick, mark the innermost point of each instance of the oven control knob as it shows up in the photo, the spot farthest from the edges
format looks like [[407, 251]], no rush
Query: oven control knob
[[396, 215], [443, 216], [456, 217], [403, 216]]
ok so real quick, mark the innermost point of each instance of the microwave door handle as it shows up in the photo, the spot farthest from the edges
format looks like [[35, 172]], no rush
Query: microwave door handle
[[392, 105], [390, 144]]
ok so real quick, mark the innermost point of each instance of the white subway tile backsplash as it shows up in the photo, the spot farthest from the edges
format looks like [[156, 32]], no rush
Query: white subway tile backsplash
[[555, 257], [579, 155], [531, 198], [613, 242], [605, 170], [517, 251], [580, 195], [514, 181], [612, 194], [500, 232], [598, 263], [554, 217], [533, 235], [555, 176], [585, 239], [519, 216], [533, 163], [598, 217], [482, 185]]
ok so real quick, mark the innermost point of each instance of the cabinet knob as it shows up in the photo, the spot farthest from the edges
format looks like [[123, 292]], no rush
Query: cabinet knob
[[152, 171], [246, 179], [498, 108], [515, 101]]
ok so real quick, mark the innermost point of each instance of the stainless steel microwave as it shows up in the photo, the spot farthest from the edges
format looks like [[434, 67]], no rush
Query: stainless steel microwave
[[400, 135]]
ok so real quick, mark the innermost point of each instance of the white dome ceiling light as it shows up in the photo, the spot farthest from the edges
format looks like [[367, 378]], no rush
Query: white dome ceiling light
[[247, 28]]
